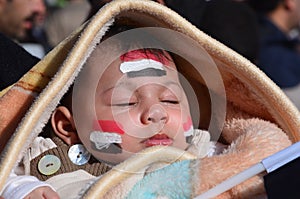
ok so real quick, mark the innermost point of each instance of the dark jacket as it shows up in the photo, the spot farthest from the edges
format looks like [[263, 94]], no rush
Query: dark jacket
[[278, 56], [14, 62]]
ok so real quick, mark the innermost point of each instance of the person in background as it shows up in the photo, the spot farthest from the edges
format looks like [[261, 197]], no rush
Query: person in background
[[279, 54], [231, 22], [36, 41], [234, 24], [63, 21], [17, 17], [16, 20]]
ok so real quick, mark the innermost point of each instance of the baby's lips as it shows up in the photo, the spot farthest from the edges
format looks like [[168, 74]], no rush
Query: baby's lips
[[165, 142], [158, 139]]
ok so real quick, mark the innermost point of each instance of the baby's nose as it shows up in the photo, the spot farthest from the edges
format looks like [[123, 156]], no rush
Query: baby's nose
[[155, 114]]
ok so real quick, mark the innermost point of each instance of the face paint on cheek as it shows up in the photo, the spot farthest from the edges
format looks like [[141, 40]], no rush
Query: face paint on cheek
[[104, 141], [188, 127], [188, 130], [107, 139], [111, 126]]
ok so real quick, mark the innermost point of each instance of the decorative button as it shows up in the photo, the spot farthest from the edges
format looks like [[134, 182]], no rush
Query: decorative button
[[78, 154], [49, 164]]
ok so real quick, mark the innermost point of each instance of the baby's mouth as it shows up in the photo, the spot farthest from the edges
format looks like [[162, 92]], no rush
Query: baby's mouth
[[158, 139]]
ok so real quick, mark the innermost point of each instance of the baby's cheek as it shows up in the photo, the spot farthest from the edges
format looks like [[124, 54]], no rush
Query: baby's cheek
[[176, 121], [130, 144]]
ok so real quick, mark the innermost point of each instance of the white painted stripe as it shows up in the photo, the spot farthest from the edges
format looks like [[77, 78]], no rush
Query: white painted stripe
[[131, 66], [189, 132], [104, 139]]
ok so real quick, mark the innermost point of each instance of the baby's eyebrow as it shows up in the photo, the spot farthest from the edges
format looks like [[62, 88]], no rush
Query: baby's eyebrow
[[132, 85], [129, 85], [174, 87], [170, 83]]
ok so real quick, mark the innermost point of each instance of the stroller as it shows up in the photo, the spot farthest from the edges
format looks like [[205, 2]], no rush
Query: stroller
[[223, 86]]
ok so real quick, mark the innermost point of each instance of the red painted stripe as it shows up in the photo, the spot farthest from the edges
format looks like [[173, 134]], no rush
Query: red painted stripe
[[111, 126], [140, 54]]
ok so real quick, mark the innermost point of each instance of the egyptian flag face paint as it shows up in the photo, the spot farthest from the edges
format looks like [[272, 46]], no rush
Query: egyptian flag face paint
[[111, 126], [138, 63], [188, 130], [106, 139]]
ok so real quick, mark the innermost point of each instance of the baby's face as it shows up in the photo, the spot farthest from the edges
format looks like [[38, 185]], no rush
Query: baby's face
[[141, 100]]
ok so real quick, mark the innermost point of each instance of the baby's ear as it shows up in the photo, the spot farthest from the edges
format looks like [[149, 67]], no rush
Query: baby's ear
[[63, 125]]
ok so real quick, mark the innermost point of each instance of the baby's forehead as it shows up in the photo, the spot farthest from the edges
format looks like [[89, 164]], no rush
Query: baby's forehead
[[137, 64]]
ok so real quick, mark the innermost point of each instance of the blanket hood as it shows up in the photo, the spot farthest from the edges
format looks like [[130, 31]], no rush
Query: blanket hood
[[243, 90]]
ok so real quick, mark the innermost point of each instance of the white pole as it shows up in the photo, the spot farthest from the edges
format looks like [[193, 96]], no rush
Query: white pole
[[233, 181], [269, 164]]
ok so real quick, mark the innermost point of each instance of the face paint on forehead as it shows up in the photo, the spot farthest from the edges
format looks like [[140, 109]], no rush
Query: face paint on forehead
[[144, 54], [138, 63]]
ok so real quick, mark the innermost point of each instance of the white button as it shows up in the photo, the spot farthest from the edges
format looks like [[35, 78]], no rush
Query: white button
[[78, 154]]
